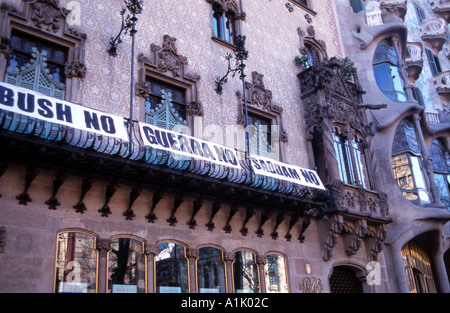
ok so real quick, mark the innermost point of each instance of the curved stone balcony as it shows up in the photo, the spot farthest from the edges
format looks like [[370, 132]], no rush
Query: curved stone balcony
[[442, 84], [432, 32], [396, 7], [441, 8], [414, 60], [447, 49]]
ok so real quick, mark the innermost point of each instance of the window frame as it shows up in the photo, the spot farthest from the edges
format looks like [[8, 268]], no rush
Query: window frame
[[258, 279], [143, 243], [222, 253], [62, 34], [267, 272], [57, 253], [185, 248]]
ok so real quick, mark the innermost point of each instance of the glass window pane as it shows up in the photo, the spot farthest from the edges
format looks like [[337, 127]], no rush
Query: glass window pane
[[419, 179], [361, 167], [275, 272], [402, 171], [126, 266], [211, 271], [245, 273], [171, 269], [76, 263]]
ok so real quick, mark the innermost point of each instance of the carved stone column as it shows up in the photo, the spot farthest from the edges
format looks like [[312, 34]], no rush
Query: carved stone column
[[229, 259], [261, 261], [150, 251], [103, 247], [193, 256]]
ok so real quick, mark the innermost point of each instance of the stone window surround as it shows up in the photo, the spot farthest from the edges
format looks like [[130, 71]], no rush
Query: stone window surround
[[103, 246], [57, 30]]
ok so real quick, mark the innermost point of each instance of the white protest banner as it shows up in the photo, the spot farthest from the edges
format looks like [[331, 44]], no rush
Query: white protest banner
[[272, 168], [34, 104], [189, 146]]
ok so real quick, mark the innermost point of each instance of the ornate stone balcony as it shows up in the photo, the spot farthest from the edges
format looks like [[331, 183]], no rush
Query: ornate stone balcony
[[442, 84], [432, 32], [397, 7], [441, 8], [414, 60]]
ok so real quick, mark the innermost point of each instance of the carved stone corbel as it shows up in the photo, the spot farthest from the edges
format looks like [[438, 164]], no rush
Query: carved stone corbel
[[214, 209], [248, 215], [151, 217], [172, 220], [233, 210]]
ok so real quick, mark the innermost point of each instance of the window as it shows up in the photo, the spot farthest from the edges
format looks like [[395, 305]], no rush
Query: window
[[351, 161], [441, 168], [406, 164], [126, 266], [211, 271], [224, 23], [275, 271], [245, 272], [37, 65], [171, 268], [418, 270], [76, 263], [260, 135], [166, 105], [420, 13], [387, 75], [433, 60]]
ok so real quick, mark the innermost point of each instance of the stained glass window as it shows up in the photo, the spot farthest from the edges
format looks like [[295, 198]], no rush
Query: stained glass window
[[441, 168]]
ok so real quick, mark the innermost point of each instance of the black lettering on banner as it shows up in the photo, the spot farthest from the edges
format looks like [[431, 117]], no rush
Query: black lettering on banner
[[310, 177], [231, 158], [184, 144], [161, 138], [294, 173], [173, 141], [196, 148], [28, 105], [63, 114], [91, 120], [256, 164], [207, 152], [44, 108], [6, 96], [107, 124], [150, 135], [221, 154]]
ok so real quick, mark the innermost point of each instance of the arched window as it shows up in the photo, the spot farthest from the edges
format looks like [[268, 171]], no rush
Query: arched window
[[441, 168], [245, 272], [357, 6], [126, 266], [275, 271], [211, 271], [418, 269], [406, 164], [171, 268], [386, 71], [76, 263]]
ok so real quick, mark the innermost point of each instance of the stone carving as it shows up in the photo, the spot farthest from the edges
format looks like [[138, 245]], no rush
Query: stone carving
[[46, 14], [75, 69], [168, 57]]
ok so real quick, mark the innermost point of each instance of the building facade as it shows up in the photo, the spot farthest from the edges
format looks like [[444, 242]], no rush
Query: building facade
[[223, 146]]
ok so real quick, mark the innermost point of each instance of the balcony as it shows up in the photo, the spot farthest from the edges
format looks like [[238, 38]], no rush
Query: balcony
[[396, 7], [442, 85], [446, 49], [432, 32], [441, 8], [414, 60]]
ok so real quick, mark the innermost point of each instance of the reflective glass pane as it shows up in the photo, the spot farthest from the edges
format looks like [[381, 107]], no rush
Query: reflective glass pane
[[210, 271], [402, 171], [419, 179], [126, 266], [245, 273], [171, 269], [76, 263], [275, 272]]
